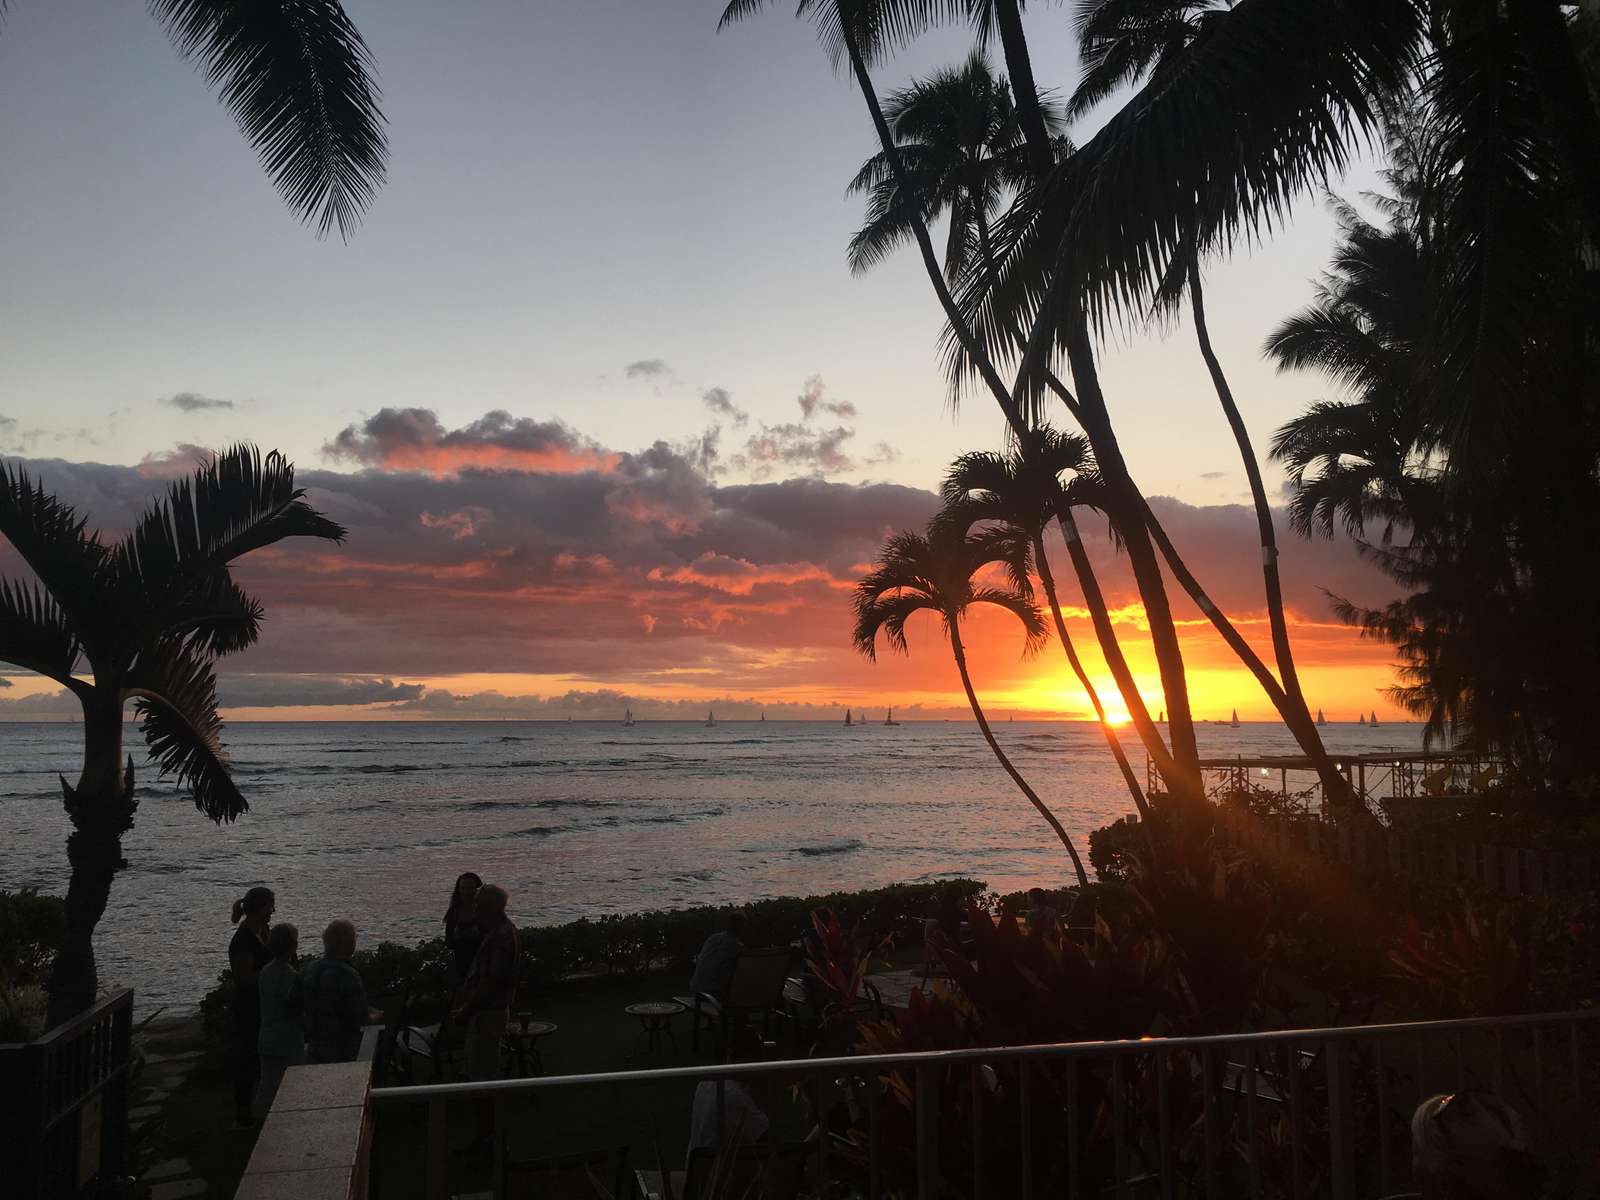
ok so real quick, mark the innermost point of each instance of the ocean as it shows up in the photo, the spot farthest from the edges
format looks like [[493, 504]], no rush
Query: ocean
[[373, 821]]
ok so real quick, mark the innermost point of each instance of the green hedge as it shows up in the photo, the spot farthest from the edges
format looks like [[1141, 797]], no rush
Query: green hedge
[[632, 944]]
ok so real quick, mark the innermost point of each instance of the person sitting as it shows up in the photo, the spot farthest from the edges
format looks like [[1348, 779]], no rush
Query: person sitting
[[1472, 1146], [334, 999], [714, 965], [484, 1007], [742, 1118], [281, 1041]]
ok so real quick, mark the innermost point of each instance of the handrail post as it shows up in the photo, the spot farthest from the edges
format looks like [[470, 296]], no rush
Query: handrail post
[[1340, 1144], [927, 1132]]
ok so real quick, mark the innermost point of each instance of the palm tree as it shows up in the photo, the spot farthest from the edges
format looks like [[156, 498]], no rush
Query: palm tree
[[147, 615], [1123, 41], [1022, 491], [961, 146], [935, 574], [299, 80], [853, 30]]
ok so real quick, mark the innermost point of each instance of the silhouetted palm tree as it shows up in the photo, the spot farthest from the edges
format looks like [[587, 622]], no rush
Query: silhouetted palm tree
[[299, 80], [147, 616], [1123, 42], [935, 574], [962, 149], [853, 31], [1023, 491]]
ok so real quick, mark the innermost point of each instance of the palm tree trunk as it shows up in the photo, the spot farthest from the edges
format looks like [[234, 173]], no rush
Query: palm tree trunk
[[1129, 504], [1016, 776], [1293, 709], [1047, 578], [101, 809], [1019, 67]]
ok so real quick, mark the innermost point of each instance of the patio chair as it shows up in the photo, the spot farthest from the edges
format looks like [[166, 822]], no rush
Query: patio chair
[[762, 1172], [755, 991]]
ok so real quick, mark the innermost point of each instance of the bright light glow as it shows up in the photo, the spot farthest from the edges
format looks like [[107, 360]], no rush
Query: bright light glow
[[1116, 716]]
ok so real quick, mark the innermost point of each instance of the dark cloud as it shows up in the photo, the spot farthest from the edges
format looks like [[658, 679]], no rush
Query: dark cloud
[[288, 691], [414, 439], [647, 368], [882, 453], [812, 398], [719, 401], [41, 706], [1214, 474], [649, 574], [195, 402]]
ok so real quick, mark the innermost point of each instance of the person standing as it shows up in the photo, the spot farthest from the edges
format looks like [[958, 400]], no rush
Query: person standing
[[719, 955], [484, 1005], [247, 955], [282, 1042], [334, 999], [461, 933]]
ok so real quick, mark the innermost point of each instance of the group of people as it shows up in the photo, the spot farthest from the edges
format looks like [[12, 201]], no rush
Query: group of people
[[287, 1012]]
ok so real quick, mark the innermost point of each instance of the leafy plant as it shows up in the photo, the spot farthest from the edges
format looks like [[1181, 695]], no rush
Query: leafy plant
[[1474, 962]]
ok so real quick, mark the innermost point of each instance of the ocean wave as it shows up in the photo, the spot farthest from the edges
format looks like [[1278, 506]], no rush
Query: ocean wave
[[846, 846]]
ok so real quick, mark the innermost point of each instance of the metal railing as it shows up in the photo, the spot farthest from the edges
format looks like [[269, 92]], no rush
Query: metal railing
[[64, 1106], [1301, 1113]]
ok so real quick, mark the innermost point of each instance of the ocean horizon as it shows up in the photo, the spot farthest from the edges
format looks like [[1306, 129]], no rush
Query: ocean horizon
[[372, 820]]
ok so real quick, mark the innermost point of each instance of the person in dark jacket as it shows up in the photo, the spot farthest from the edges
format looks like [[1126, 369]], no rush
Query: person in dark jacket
[[247, 954]]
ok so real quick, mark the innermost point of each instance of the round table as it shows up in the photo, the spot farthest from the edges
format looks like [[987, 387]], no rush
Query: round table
[[521, 1044], [655, 1016]]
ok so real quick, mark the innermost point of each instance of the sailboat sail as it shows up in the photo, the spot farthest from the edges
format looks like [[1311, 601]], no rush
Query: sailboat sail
[[847, 721], [1321, 720], [1235, 721], [1374, 721], [627, 717], [888, 718], [711, 719]]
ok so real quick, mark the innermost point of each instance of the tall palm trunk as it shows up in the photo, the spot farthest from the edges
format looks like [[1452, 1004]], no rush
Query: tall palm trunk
[[1128, 504], [101, 810], [1047, 578], [988, 736], [1108, 452], [1294, 711], [1019, 68], [1093, 598]]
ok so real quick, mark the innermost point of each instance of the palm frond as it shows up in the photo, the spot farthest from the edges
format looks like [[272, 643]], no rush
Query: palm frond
[[238, 503], [52, 539], [175, 695], [218, 615], [35, 634], [301, 84], [1035, 631], [887, 614]]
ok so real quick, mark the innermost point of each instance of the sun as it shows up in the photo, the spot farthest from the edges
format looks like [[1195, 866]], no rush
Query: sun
[[1116, 716]]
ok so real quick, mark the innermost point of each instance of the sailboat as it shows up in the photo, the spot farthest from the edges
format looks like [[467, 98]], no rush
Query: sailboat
[[1162, 719], [711, 719], [1321, 720], [847, 721], [627, 718], [763, 715], [888, 718], [1374, 721], [1361, 718], [1235, 721]]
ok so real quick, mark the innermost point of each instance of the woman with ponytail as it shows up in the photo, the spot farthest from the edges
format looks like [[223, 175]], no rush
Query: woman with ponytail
[[247, 954]]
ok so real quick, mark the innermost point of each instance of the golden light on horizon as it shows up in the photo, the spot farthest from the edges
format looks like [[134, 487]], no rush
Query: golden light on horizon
[[1116, 716]]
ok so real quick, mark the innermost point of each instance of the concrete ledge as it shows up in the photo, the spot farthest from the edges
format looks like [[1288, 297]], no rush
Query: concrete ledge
[[313, 1144]]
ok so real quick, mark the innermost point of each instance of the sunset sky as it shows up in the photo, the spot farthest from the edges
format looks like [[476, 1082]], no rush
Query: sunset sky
[[607, 416]]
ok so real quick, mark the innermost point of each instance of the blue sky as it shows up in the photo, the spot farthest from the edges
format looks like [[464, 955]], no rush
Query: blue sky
[[573, 188]]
